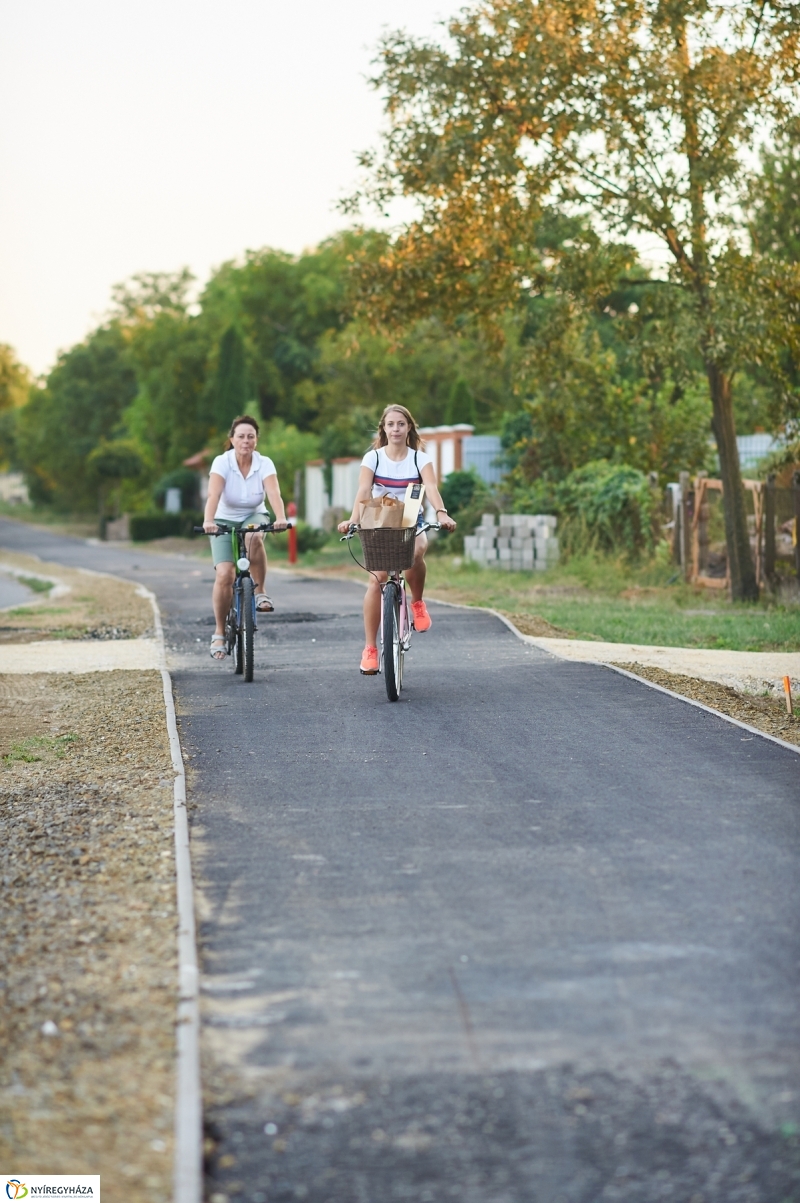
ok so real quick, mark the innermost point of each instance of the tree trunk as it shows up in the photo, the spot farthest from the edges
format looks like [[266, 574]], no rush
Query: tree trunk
[[744, 586]]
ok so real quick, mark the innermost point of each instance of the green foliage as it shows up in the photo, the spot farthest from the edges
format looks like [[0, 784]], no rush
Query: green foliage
[[82, 404], [182, 478], [460, 489], [775, 220], [460, 404], [308, 539], [588, 398], [608, 505], [289, 449], [114, 461], [144, 527], [15, 379], [230, 391]]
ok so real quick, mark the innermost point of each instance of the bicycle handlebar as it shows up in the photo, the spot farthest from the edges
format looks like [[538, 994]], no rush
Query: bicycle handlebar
[[223, 528], [355, 528]]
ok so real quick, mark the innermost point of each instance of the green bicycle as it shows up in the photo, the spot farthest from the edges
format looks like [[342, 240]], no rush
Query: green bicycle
[[241, 623]]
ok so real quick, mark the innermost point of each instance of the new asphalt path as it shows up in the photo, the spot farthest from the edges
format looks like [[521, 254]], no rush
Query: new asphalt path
[[530, 934]]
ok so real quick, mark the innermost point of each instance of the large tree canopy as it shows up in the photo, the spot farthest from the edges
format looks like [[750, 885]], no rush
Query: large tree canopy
[[640, 115]]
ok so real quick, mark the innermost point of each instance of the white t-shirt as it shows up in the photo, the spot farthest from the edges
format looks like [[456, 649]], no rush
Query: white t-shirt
[[392, 476], [241, 495]]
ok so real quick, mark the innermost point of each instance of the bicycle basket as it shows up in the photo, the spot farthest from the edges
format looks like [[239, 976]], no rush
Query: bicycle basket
[[386, 548]]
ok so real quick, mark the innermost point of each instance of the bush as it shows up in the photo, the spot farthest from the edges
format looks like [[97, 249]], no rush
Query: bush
[[308, 539], [607, 506], [459, 489], [182, 478], [144, 527]]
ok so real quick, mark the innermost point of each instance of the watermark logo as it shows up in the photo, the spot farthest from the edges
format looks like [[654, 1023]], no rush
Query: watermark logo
[[52, 1186]]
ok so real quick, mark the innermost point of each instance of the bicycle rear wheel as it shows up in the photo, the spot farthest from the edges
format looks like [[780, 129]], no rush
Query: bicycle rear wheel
[[247, 627], [232, 638], [390, 640]]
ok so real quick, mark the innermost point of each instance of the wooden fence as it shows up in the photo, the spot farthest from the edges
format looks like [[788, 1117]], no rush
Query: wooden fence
[[773, 522]]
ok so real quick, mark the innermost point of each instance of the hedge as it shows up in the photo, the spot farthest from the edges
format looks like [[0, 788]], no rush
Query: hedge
[[144, 527]]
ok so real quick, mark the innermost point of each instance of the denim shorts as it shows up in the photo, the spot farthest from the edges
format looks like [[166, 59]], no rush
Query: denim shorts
[[222, 545]]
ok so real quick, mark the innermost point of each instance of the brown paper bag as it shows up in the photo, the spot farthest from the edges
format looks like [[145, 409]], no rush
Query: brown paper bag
[[382, 511]]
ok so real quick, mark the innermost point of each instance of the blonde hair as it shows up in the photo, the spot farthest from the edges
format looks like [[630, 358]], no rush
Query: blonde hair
[[413, 440]]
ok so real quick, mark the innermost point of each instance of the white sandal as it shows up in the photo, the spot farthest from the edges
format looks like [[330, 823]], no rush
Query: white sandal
[[218, 645], [264, 604]]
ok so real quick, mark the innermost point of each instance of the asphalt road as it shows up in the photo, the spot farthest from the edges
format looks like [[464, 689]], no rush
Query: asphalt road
[[530, 934]]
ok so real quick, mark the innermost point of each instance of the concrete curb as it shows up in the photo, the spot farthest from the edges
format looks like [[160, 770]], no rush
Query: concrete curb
[[188, 1160], [534, 642]]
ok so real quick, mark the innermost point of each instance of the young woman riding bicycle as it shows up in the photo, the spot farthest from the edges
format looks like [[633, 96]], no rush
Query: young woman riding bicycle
[[397, 458], [236, 486]]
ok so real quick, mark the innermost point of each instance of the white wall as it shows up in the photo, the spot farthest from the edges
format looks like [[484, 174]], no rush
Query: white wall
[[316, 497], [345, 483]]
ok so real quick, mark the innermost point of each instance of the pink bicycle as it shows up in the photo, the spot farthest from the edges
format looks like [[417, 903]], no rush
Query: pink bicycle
[[391, 551]]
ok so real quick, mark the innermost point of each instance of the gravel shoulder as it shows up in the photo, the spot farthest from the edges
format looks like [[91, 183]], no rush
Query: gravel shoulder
[[81, 605], [766, 713], [87, 946]]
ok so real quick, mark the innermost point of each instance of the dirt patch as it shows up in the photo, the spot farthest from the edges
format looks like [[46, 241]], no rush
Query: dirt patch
[[87, 946], [765, 713], [81, 605], [531, 624]]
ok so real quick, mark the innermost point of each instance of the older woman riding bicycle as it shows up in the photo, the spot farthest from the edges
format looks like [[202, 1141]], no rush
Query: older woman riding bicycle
[[397, 458], [237, 483]]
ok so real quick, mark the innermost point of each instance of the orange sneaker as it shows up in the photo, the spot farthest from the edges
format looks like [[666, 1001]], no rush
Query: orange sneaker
[[369, 661], [421, 618]]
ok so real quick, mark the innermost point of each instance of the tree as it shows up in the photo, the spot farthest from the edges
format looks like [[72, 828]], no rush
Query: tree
[[15, 386], [81, 403], [775, 222], [168, 349], [15, 379], [230, 386], [636, 114], [108, 465], [460, 404]]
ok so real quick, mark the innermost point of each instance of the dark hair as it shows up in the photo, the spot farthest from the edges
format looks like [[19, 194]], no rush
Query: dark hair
[[413, 440], [242, 420]]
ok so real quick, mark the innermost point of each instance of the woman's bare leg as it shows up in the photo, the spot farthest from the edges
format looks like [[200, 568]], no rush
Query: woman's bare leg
[[258, 561], [222, 594], [372, 610], [415, 575]]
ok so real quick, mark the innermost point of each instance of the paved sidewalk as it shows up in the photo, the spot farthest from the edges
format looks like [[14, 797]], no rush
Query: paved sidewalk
[[79, 656], [749, 672]]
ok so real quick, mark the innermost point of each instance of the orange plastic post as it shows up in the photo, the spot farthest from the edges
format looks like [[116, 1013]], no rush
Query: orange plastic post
[[787, 689], [291, 514]]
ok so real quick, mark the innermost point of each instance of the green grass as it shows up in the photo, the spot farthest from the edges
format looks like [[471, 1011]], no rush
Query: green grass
[[38, 746], [593, 597], [36, 583]]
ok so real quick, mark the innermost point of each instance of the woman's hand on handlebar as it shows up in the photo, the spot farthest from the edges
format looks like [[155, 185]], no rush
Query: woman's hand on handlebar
[[445, 521], [344, 527], [210, 527], [280, 525]]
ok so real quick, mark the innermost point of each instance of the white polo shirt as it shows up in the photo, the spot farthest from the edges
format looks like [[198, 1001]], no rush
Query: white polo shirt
[[242, 495]]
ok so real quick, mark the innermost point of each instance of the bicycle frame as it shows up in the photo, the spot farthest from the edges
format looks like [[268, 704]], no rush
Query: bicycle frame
[[395, 578], [239, 549], [242, 619]]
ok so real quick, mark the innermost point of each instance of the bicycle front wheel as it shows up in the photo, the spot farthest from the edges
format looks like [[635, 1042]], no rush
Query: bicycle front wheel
[[247, 628], [390, 639]]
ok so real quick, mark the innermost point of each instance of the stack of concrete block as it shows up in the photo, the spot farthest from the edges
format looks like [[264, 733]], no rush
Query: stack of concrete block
[[514, 542]]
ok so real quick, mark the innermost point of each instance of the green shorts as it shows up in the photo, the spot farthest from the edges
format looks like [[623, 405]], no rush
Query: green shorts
[[222, 545]]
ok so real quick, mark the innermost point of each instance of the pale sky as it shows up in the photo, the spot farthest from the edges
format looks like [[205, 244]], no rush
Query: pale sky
[[151, 135]]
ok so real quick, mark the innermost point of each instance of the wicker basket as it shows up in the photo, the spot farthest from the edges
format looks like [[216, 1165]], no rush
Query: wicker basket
[[387, 548]]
